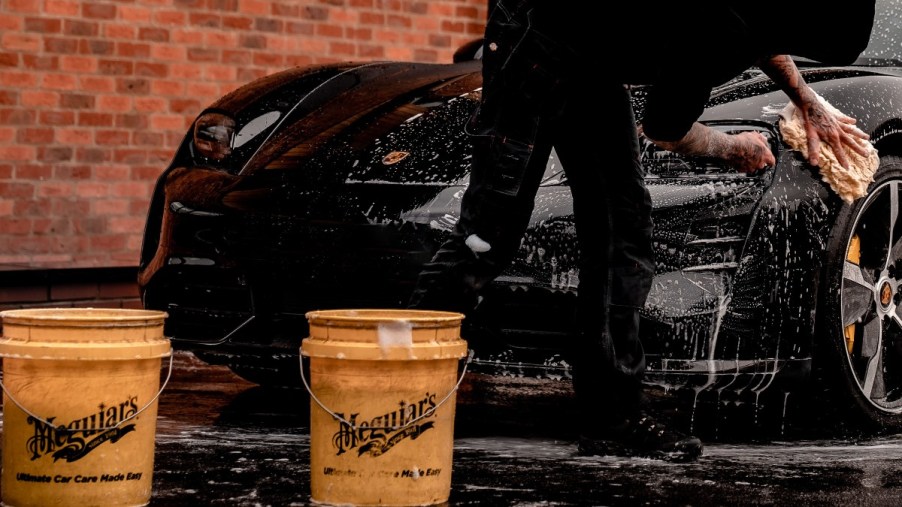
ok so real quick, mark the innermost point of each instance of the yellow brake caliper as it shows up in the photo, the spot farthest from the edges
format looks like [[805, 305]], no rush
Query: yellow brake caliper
[[853, 255]]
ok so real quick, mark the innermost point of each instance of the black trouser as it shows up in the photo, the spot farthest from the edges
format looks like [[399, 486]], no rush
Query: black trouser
[[535, 98]]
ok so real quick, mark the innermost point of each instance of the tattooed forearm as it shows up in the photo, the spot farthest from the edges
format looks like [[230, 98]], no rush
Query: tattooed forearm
[[747, 151], [783, 71], [699, 141]]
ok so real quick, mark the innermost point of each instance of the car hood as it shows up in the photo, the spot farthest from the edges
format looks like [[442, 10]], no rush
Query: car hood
[[393, 122], [342, 117]]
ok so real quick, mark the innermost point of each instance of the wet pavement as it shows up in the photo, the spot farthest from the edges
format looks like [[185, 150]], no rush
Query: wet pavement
[[224, 441]]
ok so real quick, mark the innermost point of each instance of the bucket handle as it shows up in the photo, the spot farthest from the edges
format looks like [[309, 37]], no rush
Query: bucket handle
[[48, 423], [425, 414]]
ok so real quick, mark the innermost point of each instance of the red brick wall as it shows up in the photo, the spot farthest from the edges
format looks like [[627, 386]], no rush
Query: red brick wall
[[73, 287], [96, 94]]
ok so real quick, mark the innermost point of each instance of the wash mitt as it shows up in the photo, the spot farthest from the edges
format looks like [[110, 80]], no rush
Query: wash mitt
[[849, 183]]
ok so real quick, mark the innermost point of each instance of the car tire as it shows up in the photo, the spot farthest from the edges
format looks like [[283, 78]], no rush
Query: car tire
[[858, 354]]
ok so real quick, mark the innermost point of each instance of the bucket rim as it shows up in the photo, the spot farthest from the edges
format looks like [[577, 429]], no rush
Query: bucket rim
[[86, 315], [370, 315]]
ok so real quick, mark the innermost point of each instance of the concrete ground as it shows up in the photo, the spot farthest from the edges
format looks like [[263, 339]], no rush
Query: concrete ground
[[223, 441]]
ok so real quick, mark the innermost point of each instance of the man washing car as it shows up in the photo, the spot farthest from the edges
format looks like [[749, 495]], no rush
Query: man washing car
[[538, 94]]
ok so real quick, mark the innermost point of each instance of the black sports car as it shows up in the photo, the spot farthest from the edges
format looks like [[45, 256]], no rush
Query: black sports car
[[329, 186]]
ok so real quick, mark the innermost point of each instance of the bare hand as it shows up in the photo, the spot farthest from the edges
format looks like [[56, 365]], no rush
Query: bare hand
[[749, 152], [836, 130]]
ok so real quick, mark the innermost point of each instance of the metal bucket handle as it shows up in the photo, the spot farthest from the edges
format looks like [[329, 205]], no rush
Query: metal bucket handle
[[48, 423], [425, 414]]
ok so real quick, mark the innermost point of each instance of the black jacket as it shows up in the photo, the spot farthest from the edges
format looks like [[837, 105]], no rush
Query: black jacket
[[684, 49]]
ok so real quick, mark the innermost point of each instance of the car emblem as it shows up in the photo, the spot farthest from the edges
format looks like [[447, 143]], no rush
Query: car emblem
[[886, 294], [394, 157]]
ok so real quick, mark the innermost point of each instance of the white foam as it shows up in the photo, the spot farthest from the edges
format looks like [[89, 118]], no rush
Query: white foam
[[395, 334]]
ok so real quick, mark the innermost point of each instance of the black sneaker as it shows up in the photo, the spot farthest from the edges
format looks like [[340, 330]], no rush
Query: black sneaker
[[642, 437]]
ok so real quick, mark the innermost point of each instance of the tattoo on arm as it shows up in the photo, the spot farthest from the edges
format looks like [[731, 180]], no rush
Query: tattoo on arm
[[783, 71], [699, 141], [702, 141]]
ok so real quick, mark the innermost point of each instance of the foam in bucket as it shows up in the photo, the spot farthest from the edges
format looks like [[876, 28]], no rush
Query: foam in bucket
[[79, 405], [383, 388]]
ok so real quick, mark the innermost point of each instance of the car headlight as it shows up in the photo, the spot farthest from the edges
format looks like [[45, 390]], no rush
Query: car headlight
[[213, 133]]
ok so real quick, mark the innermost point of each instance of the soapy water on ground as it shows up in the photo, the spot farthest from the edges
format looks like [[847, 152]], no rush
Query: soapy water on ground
[[232, 466], [223, 441]]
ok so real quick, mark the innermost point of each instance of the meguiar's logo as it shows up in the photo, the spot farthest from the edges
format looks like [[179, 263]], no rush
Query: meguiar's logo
[[379, 434], [73, 441]]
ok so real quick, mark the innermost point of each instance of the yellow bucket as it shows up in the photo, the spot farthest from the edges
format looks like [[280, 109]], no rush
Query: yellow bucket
[[79, 405], [383, 387]]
